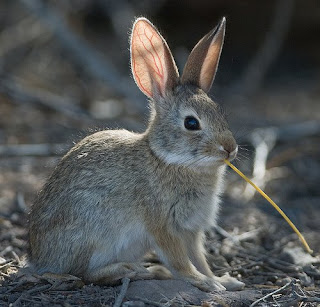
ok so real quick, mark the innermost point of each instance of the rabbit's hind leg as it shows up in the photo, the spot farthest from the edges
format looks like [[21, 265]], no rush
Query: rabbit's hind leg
[[112, 274]]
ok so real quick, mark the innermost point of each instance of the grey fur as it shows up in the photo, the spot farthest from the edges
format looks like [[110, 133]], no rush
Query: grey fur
[[117, 194]]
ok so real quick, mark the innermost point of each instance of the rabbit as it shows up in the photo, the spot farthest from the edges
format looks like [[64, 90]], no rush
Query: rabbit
[[118, 194]]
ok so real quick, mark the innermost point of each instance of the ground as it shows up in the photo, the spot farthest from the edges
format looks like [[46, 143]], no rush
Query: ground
[[252, 242], [55, 89]]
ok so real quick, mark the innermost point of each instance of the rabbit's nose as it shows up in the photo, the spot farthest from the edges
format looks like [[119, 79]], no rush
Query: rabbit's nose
[[228, 145], [231, 150]]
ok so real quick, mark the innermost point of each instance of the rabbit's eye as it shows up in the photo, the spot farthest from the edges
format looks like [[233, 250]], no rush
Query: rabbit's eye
[[191, 123]]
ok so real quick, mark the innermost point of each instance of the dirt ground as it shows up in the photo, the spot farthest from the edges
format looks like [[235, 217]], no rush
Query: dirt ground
[[50, 99], [253, 244]]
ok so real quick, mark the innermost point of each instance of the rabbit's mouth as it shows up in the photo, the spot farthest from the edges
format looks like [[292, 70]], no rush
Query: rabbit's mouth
[[229, 153], [218, 153]]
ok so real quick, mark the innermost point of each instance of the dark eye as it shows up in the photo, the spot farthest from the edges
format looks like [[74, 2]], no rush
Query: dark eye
[[191, 123]]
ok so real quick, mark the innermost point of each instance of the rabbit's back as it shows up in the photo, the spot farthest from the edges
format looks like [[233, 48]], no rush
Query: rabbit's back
[[86, 201]]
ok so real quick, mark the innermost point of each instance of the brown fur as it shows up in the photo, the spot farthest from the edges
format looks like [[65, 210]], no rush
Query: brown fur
[[117, 194]]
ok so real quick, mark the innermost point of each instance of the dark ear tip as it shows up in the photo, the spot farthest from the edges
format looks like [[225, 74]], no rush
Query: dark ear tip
[[220, 27], [222, 23]]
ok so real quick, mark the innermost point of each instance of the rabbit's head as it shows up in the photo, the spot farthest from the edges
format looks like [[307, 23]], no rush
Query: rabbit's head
[[186, 126]]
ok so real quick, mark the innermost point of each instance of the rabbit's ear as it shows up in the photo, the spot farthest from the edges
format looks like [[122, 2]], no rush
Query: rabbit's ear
[[152, 64], [203, 60]]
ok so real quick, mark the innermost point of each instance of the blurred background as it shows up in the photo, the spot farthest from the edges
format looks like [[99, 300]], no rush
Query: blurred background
[[64, 73]]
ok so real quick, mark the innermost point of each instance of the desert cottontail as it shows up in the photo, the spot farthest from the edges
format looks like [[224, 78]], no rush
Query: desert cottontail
[[117, 194]]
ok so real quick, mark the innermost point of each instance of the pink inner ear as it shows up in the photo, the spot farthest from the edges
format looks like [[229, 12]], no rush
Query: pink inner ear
[[210, 65], [147, 58]]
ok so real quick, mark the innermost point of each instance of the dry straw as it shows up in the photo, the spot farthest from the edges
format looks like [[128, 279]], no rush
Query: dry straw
[[302, 239]]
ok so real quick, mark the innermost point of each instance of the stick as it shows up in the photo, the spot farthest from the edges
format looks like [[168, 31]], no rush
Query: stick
[[267, 53], [263, 141], [19, 34], [302, 239], [226, 234], [32, 150], [83, 54], [270, 294], [291, 132], [17, 302], [14, 89], [297, 131], [121, 14], [123, 291]]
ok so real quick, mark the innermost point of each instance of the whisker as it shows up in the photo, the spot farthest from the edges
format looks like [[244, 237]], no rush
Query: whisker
[[246, 149], [247, 154], [241, 155]]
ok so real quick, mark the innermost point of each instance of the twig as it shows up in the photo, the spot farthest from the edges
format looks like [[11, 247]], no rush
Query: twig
[[269, 50], [248, 235], [16, 257], [272, 293], [83, 54], [298, 297], [309, 299], [121, 14], [226, 234], [290, 153], [7, 250], [263, 140], [237, 238], [14, 89], [16, 286], [21, 204], [245, 268], [297, 131], [272, 273], [7, 263], [32, 150], [29, 292], [21, 33], [123, 291], [290, 132], [282, 267]]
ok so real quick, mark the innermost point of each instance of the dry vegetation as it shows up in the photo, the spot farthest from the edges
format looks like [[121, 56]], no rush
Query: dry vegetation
[[64, 73]]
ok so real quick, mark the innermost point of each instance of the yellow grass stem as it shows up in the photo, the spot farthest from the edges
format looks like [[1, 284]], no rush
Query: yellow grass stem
[[302, 239]]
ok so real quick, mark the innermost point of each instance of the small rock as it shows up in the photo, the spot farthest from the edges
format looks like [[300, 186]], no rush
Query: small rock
[[298, 256], [227, 249], [305, 279]]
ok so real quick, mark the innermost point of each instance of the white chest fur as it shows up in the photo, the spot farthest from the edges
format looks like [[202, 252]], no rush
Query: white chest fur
[[200, 213], [198, 210]]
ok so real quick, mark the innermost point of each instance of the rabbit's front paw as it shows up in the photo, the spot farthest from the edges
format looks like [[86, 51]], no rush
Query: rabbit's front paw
[[206, 284], [230, 283]]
